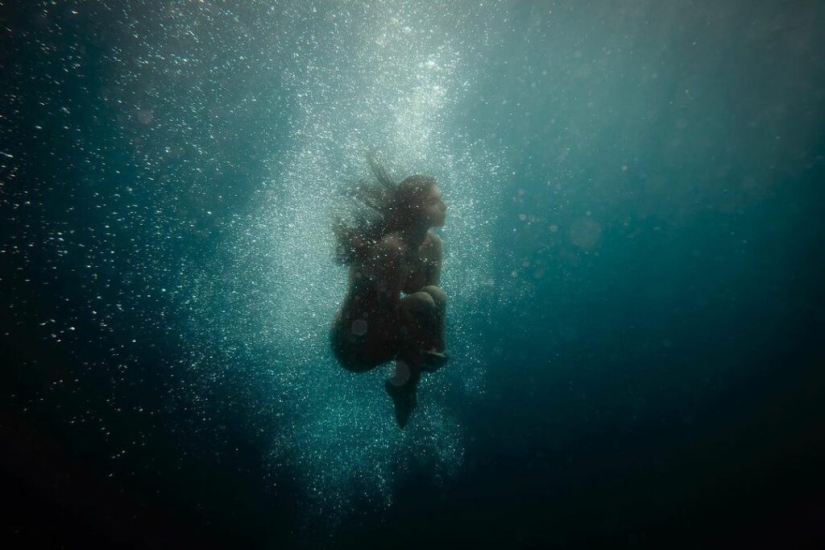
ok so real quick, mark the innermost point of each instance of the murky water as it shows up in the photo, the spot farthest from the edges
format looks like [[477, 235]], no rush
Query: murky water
[[632, 257]]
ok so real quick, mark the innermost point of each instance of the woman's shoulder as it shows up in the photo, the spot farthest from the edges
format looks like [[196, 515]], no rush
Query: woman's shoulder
[[393, 243], [390, 240], [390, 245]]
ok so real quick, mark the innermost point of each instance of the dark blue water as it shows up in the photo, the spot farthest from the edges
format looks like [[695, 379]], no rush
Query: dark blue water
[[633, 255]]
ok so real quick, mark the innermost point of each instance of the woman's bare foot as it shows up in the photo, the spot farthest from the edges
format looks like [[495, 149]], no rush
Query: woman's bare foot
[[404, 400], [433, 360]]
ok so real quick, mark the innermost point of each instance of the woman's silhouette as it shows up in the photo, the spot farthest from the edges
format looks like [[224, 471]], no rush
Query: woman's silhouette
[[394, 307]]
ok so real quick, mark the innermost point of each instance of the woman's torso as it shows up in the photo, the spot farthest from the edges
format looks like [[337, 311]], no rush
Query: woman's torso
[[413, 273]]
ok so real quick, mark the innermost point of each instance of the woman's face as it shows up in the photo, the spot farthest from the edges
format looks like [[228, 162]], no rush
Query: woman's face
[[435, 210]]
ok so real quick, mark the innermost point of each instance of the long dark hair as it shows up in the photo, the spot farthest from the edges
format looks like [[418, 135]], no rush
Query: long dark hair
[[383, 207]]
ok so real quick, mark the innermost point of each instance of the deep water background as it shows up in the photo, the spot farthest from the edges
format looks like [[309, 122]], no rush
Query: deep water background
[[634, 257]]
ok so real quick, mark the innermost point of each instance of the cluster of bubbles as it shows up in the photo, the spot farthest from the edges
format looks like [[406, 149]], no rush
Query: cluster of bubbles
[[381, 78]]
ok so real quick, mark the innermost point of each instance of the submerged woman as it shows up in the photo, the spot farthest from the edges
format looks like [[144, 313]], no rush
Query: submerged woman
[[394, 307]]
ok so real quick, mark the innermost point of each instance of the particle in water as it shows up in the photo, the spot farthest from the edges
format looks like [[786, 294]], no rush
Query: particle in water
[[359, 327]]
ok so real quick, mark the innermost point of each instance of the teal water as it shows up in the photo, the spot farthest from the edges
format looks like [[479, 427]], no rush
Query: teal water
[[633, 257]]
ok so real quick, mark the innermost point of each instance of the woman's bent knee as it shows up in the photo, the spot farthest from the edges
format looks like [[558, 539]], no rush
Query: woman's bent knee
[[439, 296], [417, 302]]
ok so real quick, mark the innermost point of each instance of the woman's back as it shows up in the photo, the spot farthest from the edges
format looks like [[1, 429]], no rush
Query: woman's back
[[394, 267]]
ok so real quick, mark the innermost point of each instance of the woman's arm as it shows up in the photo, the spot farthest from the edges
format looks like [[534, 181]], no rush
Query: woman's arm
[[435, 256], [385, 268]]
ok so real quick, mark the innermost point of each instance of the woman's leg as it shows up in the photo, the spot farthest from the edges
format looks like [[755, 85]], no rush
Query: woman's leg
[[422, 325], [440, 302], [422, 315]]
